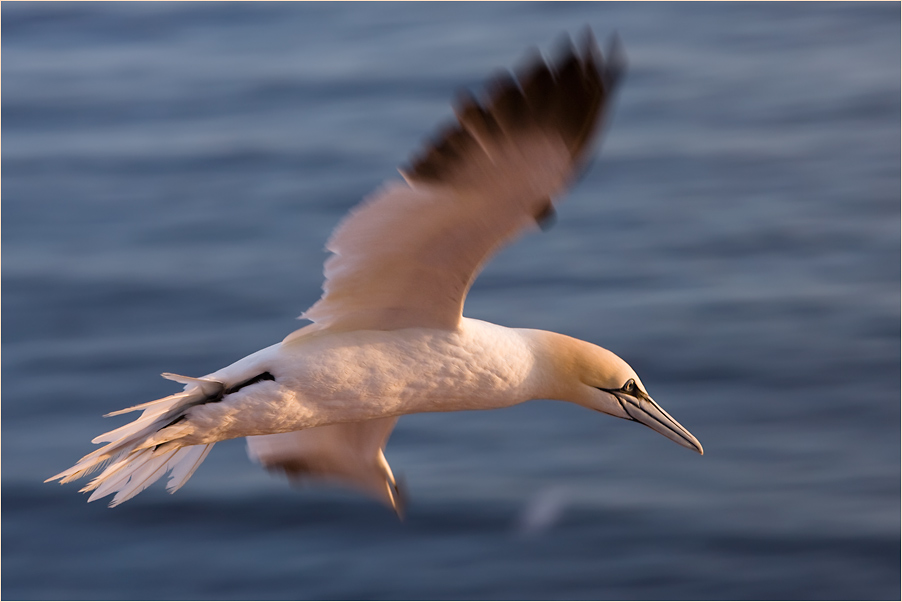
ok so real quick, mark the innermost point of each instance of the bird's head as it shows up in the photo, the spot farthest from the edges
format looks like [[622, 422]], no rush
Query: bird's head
[[593, 377]]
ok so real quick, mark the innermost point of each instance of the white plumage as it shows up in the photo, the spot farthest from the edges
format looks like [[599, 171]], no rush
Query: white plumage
[[388, 336]]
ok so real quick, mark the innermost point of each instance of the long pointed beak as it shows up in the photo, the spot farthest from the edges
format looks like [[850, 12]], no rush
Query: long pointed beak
[[649, 413]]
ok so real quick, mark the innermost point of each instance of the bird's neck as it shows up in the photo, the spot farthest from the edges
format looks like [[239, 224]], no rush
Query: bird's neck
[[557, 358]]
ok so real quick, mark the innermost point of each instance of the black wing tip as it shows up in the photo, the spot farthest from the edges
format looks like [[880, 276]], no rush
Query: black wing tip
[[568, 94]]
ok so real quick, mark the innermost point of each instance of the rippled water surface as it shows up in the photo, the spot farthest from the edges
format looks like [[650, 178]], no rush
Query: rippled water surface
[[170, 173]]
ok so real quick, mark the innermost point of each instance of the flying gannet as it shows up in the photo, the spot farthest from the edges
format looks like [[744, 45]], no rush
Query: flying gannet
[[388, 337]]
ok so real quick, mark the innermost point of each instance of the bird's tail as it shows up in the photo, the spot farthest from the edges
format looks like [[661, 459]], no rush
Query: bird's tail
[[140, 452]]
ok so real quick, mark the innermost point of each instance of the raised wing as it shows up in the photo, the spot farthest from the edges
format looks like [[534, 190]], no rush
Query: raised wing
[[348, 453], [407, 256]]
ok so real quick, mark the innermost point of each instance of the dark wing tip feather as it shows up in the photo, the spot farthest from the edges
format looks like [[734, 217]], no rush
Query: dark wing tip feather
[[568, 96]]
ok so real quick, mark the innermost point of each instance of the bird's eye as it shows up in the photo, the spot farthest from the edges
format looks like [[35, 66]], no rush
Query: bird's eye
[[629, 387]]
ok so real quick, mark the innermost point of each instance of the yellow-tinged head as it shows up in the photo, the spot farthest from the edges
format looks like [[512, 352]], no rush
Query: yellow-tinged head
[[571, 370]]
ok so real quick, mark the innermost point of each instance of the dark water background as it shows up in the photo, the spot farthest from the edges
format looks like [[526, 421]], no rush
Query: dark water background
[[170, 173]]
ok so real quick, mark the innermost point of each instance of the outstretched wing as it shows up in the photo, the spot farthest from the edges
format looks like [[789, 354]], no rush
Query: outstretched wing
[[347, 453], [407, 256]]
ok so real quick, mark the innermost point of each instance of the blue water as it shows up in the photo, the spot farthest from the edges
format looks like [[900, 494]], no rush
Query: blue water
[[170, 173]]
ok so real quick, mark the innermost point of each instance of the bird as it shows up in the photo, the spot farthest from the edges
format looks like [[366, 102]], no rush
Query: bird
[[388, 337]]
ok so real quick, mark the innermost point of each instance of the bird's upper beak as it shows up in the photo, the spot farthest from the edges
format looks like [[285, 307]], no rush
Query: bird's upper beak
[[644, 409]]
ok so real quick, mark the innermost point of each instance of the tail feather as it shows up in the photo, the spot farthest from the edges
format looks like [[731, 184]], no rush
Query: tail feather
[[140, 452], [166, 434], [106, 479], [148, 473], [186, 466], [115, 477], [144, 406], [131, 429], [110, 452]]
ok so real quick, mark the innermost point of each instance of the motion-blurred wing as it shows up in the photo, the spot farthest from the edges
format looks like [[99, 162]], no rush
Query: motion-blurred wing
[[407, 256], [348, 453]]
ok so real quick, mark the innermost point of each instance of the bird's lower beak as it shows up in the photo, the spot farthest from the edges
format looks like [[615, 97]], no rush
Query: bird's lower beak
[[649, 413]]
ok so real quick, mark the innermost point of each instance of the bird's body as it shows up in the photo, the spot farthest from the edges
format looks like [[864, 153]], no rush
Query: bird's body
[[388, 337], [361, 375]]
